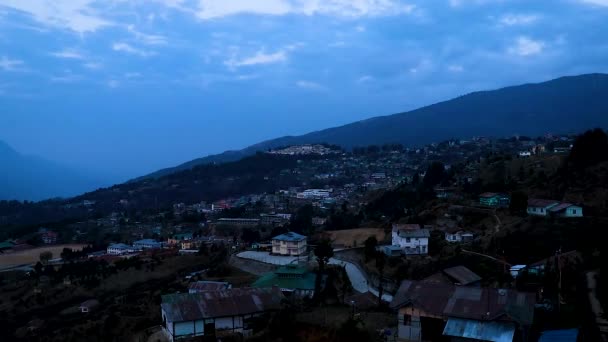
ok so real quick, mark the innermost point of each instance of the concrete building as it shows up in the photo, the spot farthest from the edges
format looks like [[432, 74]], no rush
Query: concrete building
[[411, 241], [120, 249], [289, 244]]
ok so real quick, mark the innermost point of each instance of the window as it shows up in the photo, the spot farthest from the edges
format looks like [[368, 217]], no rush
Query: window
[[407, 320], [574, 211], [407, 240]]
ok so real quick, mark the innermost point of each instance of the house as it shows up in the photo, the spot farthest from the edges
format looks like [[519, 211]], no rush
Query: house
[[6, 245], [459, 236], [176, 239], [566, 210], [206, 286], [88, 306], [391, 251], [289, 243], [238, 222], [411, 241], [494, 200], [525, 154], [49, 237], [445, 192], [516, 270], [294, 281], [186, 315], [147, 244], [120, 248], [437, 311], [458, 275], [540, 207]]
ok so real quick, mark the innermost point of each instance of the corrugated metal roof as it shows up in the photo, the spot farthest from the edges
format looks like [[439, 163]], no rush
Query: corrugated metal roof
[[290, 236], [462, 275], [201, 286], [480, 330], [418, 233], [182, 307], [466, 302], [567, 335], [560, 207], [541, 203]]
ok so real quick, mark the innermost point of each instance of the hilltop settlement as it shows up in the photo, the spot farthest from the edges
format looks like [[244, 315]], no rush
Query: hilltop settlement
[[479, 239]]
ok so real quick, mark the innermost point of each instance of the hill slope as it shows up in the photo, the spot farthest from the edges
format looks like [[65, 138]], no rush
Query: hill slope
[[563, 105], [31, 178]]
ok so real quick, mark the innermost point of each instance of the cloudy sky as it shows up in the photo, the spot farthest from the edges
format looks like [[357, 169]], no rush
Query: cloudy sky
[[125, 87]]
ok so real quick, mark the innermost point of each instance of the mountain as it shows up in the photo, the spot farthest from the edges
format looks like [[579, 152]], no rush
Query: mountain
[[31, 178], [563, 105]]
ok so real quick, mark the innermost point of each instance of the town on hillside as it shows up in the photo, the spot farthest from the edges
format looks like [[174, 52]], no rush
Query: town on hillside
[[479, 239]]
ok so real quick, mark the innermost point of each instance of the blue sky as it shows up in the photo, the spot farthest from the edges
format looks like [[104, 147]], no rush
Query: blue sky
[[124, 87]]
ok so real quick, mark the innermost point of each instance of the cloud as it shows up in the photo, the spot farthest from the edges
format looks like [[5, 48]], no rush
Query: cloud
[[517, 19], [92, 65], [76, 15], [113, 84], [8, 64], [147, 39], [67, 77], [360, 28], [126, 48], [455, 68], [211, 9], [309, 85], [365, 79], [68, 54], [259, 58], [423, 65], [525, 46]]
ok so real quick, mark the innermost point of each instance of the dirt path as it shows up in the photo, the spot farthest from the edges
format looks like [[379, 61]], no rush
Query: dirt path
[[498, 222]]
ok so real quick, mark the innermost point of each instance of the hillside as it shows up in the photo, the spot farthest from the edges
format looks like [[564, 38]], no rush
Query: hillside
[[564, 105], [31, 178]]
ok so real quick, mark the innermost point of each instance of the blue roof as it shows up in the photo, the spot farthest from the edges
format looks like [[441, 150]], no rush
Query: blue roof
[[480, 330], [119, 246], [568, 335], [290, 236]]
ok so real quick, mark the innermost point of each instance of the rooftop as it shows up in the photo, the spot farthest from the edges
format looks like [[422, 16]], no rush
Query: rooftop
[[298, 278], [180, 307], [418, 233], [541, 203], [289, 236], [466, 302], [462, 275], [206, 285]]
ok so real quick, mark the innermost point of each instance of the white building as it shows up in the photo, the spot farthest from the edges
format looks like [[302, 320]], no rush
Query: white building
[[147, 244], [459, 236], [289, 243], [315, 194], [120, 248], [188, 315], [411, 241], [525, 154]]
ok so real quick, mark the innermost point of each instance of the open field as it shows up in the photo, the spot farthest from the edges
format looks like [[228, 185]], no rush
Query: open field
[[351, 238], [32, 256]]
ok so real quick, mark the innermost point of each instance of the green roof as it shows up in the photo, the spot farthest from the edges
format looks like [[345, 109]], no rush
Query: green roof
[[304, 282], [291, 269], [6, 244]]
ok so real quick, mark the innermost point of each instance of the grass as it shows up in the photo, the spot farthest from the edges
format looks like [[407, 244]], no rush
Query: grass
[[355, 237], [32, 256]]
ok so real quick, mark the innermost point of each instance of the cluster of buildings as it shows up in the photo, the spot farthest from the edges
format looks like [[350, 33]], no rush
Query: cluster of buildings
[[299, 150], [543, 207], [137, 246]]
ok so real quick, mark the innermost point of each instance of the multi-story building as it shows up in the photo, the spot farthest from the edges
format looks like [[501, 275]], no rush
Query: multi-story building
[[289, 244]]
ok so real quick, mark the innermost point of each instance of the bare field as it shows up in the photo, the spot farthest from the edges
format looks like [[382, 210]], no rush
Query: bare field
[[32, 256], [355, 237]]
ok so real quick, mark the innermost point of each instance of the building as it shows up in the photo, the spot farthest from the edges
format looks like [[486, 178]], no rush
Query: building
[[206, 286], [445, 192], [391, 251], [294, 281], [49, 237], [567, 335], [147, 244], [88, 306], [458, 275], [176, 239], [187, 315], [566, 210], [238, 222], [274, 219], [411, 241], [120, 249], [459, 236], [315, 194], [437, 311], [542, 207], [494, 200], [289, 243], [525, 154]]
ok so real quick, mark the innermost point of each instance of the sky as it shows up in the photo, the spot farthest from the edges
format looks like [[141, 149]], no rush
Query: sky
[[125, 87]]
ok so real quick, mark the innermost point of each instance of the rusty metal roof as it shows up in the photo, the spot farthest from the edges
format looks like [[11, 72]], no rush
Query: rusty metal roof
[[180, 307], [541, 203], [467, 302], [462, 275], [202, 286]]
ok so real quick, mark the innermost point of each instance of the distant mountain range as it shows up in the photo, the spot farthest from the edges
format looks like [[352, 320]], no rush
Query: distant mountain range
[[31, 178], [565, 105]]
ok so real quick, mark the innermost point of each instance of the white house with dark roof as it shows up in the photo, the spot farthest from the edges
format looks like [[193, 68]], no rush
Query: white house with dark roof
[[289, 243], [543, 207], [411, 241]]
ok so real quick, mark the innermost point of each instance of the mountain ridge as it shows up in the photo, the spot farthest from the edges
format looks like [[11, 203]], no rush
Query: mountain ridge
[[529, 103]]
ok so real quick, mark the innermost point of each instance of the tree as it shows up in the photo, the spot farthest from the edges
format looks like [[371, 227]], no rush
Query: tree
[[589, 149], [250, 235], [324, 251], [380, 263], [370, 247], [519, 202], [434, 174], [46, 256]]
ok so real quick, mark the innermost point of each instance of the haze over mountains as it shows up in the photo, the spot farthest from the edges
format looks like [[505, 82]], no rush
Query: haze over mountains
[[565, 105], [31, 178]]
